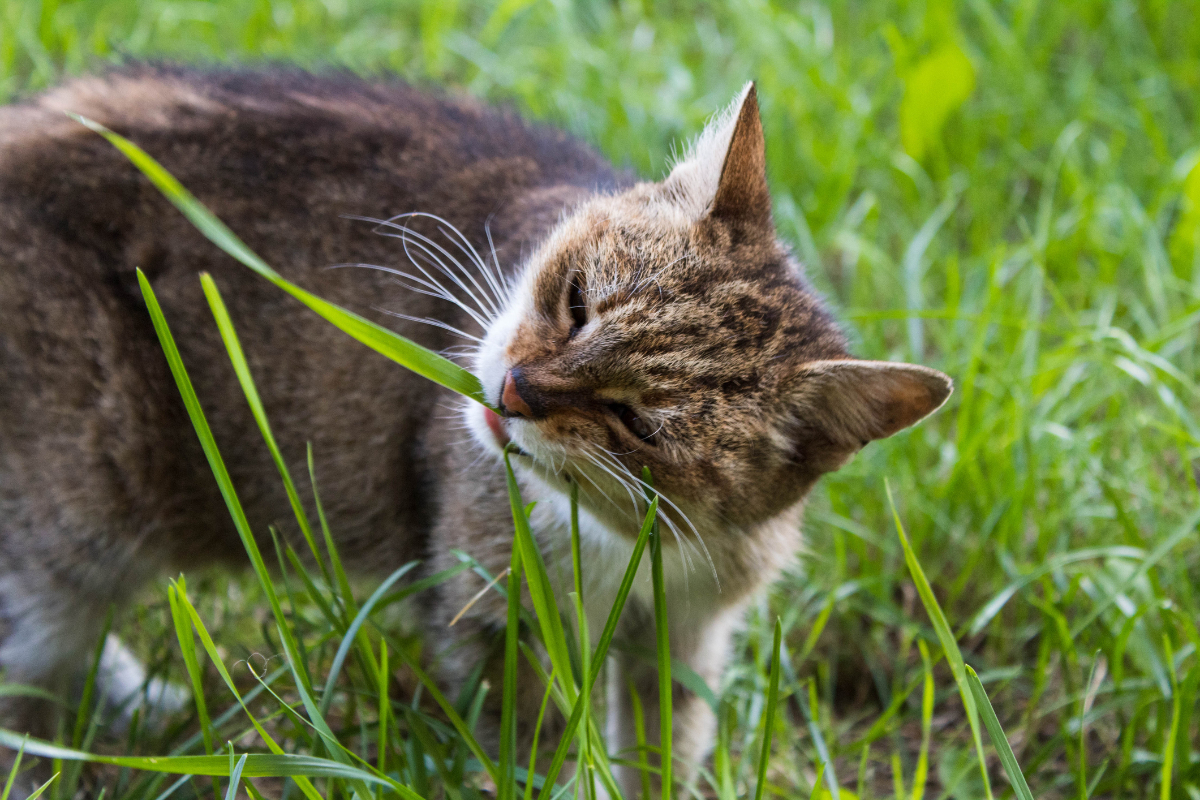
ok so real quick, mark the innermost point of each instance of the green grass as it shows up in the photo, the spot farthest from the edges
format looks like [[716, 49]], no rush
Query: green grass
[[1005, 191]]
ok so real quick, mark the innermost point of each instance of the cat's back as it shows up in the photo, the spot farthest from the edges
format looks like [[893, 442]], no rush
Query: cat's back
[[292, 162]]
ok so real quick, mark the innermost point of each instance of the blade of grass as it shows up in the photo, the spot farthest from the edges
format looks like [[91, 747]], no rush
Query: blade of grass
[[12, 773], [601, 651], [816, 787], [764, 757], [508, 711], [351, 634], [1007, 758], [258, 765], [1168, 756], [922, 771], [663, 645], [235, 774], [187, 645], [385, 705], [237, 357], [317, 720], [215, 657], [1095, 675], [639, 731], [541, 591], [401, 350], [343, 583], [530, 773], [808, 708], [949, 645], [41, 789], [585, 648], [216, 462]]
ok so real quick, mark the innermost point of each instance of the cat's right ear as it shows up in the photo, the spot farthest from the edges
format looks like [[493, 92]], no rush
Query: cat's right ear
[[842, 405], [723, 175], [742, 195]]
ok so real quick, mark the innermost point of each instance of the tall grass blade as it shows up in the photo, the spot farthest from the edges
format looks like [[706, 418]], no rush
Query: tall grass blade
[[643, 759], [12, 773], [38, 792], [1007, 758], [349, 637], [508, 711], [927, 694], [215, 657], [764, 756], [949, 644], [216, 462], [601, 651], [663, 644], [541, 592], [401, 350], [1168, 756], [258, 765], [241, 368], [235, 775], [187, 645]]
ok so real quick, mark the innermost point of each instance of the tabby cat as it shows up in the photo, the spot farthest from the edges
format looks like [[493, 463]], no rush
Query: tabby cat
[[616, 324]]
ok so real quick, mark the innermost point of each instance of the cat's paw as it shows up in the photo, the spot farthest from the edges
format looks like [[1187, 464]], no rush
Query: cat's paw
[[123, 680]]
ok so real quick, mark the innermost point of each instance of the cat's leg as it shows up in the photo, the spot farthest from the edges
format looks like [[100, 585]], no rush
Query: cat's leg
[[47, 633], [124, 683], [465, 623], [702, 642]]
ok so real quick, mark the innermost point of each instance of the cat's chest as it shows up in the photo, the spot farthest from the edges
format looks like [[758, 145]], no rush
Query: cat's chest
[[689, 580]]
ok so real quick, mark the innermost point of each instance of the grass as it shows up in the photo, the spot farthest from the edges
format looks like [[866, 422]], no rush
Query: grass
[[1008, 192]]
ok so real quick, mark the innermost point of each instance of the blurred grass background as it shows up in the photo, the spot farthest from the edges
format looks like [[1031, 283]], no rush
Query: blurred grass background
[[1006, 191]]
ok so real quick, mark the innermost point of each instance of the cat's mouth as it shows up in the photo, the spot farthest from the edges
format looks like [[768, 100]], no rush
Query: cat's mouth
[[495, 424]]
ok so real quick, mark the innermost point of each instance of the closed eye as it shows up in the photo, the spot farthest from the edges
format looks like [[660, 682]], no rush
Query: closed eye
[[635, 424], [576, 304]]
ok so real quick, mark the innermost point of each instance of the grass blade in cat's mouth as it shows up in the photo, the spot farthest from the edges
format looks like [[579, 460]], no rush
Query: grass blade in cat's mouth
[[495, 424]]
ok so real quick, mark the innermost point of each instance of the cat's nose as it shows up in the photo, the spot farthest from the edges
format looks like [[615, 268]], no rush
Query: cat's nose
[[511, 398]]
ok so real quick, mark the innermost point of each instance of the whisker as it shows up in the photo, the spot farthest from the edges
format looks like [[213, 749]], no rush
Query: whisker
[[484, 297], [504, 285], [429, 288], [430, 250], [466, 247], [437, 323]]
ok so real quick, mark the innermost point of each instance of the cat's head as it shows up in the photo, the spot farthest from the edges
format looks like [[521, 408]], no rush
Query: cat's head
[[667, 327]]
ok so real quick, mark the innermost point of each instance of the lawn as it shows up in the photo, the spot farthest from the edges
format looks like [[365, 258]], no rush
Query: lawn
[[1008, 192]]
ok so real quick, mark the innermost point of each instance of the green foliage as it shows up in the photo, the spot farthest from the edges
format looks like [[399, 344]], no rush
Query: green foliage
[[1005, 191]]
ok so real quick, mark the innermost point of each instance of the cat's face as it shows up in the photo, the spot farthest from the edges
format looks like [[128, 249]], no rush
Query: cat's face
[[666, 327]]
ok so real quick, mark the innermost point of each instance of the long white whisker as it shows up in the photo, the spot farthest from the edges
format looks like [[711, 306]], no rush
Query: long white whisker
[[484, 299], [431, 258], [431, 249], [680, 534], [503, 285], [421, 286], [466, 247], [624, 484], [437, 323]]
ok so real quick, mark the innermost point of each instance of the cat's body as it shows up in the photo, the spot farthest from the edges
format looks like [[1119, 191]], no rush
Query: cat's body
[[654, 325]]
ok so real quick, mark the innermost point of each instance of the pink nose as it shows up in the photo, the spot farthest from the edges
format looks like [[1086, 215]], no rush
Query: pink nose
[[511, 398]]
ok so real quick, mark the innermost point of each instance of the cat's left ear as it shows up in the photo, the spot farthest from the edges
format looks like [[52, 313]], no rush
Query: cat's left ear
[[742, 195], [848, 403]]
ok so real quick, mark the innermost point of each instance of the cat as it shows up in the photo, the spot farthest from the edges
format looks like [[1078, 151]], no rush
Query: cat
[[615, 324]]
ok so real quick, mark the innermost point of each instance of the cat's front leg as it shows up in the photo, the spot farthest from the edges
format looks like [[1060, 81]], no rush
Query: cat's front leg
[[698, 640]]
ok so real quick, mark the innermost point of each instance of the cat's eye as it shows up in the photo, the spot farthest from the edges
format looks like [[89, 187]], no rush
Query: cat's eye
[[576, 305], [636, 425]]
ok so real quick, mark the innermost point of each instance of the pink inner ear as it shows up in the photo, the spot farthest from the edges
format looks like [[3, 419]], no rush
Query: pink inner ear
[[909, 401], [858, 401]]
